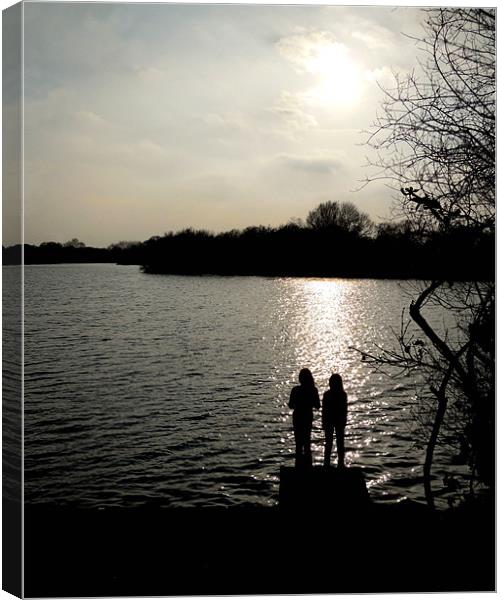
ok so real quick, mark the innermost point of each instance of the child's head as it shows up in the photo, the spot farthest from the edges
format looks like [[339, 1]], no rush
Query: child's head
[[335, 383], [305, 377]]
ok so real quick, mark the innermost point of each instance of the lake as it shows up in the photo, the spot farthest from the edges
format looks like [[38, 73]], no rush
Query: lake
[[173, 390]]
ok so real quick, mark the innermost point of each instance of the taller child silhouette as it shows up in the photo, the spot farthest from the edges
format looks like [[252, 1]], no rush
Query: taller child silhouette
[[303, 399]]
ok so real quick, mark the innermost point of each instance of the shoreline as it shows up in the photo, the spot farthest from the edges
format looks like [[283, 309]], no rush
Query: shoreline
[[263, 275], [385, 549]]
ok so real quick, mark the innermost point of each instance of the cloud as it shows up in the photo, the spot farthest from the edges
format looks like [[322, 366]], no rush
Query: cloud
[[290, 106], [319, 165], [303, 50], [89, 117], [375, 37], [149, 75], [383, 76]]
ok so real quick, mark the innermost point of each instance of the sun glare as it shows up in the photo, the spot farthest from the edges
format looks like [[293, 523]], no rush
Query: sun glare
[[339, 78]]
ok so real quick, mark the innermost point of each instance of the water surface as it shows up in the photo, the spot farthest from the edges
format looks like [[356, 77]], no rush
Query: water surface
[[173, 390]]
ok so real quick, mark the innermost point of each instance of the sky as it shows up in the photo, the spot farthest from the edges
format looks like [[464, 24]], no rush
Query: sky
[[142, 119]]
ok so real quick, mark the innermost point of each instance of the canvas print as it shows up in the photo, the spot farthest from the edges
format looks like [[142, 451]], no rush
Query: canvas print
[[249, 299]]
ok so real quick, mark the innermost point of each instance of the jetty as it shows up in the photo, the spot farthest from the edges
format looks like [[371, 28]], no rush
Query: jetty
[[322, 488]]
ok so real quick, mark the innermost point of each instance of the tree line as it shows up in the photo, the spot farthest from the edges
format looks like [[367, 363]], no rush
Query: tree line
[[335, 240]]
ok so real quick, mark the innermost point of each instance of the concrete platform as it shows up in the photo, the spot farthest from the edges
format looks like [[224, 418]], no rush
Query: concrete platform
[[322, 488]]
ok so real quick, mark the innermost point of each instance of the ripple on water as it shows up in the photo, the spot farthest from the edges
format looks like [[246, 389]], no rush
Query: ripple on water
[[173, 391]]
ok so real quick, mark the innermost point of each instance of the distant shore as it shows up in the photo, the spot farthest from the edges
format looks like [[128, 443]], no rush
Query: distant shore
[[290, 251]]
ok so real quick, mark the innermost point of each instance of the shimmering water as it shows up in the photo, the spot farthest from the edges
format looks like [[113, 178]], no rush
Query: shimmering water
[[173, 391]]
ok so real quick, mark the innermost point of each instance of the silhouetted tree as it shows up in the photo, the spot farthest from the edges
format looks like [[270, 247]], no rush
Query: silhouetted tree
[[435, 143], [297, 222], [344, 217], [51, 245], [74, 243], [123, 245], [395, 231]]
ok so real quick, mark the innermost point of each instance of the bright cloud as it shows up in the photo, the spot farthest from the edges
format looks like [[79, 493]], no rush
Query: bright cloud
[[338, 79]]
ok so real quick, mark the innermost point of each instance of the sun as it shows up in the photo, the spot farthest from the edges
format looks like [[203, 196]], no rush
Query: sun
[[339, 78]]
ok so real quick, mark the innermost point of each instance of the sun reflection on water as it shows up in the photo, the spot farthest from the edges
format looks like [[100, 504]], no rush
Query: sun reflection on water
[[324, 327], [322, 319]]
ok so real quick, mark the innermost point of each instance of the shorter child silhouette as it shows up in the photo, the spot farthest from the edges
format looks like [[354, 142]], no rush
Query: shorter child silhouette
[[334, 418]]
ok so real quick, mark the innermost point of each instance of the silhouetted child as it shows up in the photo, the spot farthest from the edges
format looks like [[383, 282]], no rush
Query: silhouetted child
[[334, 418], [303, 399]]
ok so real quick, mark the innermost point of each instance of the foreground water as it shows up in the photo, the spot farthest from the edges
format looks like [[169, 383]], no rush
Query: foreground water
[[173, 391]]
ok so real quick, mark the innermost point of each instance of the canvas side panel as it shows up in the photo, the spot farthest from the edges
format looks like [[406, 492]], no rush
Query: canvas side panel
[[12, 300]]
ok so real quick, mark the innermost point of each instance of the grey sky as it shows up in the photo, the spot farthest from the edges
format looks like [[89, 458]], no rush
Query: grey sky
[[141, 119]]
